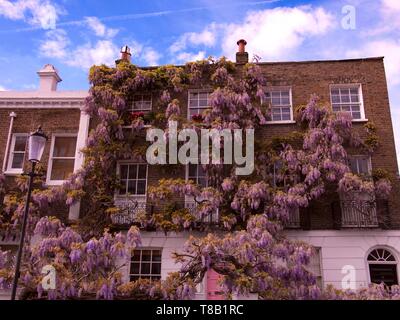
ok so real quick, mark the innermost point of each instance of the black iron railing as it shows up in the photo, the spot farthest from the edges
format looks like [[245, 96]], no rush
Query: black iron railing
[[358, 214], [130, 209]]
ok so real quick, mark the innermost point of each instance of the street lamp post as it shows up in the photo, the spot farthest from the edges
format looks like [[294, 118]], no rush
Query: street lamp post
[[37, 141]]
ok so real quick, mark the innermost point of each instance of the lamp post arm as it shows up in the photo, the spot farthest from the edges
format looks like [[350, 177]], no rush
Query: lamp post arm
[[23, 230]]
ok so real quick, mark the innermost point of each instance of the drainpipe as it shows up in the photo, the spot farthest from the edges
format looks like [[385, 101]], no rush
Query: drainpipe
[[12, 116]]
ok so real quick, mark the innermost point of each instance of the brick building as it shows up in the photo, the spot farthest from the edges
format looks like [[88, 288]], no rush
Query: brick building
[[363, 238]]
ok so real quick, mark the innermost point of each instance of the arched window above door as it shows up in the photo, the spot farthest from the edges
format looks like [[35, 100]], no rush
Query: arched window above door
[[383, 267]]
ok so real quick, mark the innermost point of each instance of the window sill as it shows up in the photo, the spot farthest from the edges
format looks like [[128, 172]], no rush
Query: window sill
[[281, 122], [359, 120], [13, 173], [55, 183]]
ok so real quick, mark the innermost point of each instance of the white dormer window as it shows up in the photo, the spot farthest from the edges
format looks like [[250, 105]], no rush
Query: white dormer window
[[348, 98], [142, 103], [199, 100], [17, 153], [280, 101]]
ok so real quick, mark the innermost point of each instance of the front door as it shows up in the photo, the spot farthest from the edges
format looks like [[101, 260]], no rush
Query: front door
[[214, 291]]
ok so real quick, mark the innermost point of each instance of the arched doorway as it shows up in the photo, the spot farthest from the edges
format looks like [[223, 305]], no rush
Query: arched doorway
[[382, 266]]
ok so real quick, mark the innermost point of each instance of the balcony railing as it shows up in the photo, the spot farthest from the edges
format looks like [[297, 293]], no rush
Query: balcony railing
[[293, 221], [358, 214], [130, 208]]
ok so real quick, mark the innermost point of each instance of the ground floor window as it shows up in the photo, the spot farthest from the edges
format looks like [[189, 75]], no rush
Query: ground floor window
[[383, 267], [146, 264]]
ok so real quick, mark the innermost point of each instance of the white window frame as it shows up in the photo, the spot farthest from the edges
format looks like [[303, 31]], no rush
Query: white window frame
[[10, 155], [360, 96], [137, 197], [142, 95], [360, 156], [387, 248], [279, 89], [197, 171], [51, 158], [208, 91], [140, 263]]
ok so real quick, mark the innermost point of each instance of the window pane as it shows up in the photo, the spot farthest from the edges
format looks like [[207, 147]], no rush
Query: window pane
[[354, 91], [386, 273], [156, 268], [132, 186], [136, 255], [122, 190], [18, 160], [20, 143], [363, 165], [203, 103], [356, 115], [353, 165], [61, 169], [135, 268], [156, 255], [285, 101], [193, 103], [335, 91], [132, 172], [192, 170], [141, 187], [64, 147], [145, 268], [123, 171], [146, 255], [335, 99], [345, 98], [193, 95], [142, 171]]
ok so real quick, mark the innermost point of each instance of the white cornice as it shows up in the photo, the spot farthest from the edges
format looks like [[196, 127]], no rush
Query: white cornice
[[42, 103]]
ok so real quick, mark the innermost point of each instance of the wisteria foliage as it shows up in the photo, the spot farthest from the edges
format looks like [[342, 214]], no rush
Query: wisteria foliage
[[247, 247]]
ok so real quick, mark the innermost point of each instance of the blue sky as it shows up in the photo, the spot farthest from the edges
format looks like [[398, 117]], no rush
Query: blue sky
[[74, 34]]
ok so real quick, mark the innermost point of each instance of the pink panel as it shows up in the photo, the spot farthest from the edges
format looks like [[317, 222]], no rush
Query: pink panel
[[213, 289]]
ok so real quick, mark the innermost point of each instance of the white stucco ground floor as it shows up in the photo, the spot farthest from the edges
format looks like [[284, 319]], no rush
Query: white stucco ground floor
[[350, 258], [345, 258]]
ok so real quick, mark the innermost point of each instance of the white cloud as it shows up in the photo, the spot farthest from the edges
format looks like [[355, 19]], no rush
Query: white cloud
[[391, 5], [100, 28], [207, 38], [388, 48], [102, 51], [2, 88], [271, 33], [187, 56], [42, 13], [150, 56], [55, 45], [275, 33]]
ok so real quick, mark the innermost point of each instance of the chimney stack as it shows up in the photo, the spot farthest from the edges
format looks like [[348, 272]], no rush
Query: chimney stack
[[49, 78], [242, 57], [125, 55]]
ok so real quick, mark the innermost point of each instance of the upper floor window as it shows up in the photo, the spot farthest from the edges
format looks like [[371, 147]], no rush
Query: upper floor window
[[145, 264], [280, 101], [142, 102], [17, 152], [360, 164], [197, 174], [133, 179], [382, 267], [62, 158], [348, 98], [199, 100]]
